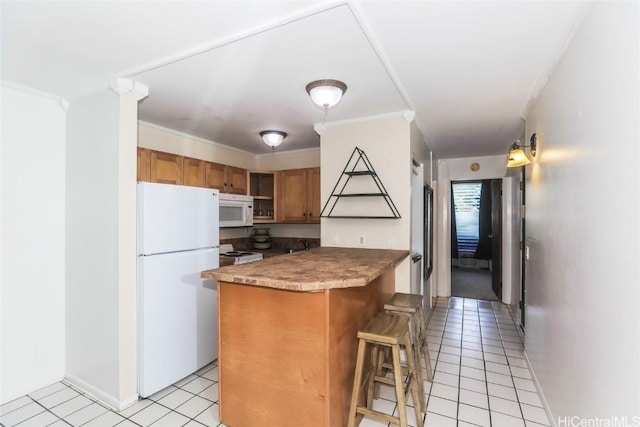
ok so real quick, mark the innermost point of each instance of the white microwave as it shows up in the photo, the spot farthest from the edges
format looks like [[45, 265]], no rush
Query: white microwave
[[236, 210]]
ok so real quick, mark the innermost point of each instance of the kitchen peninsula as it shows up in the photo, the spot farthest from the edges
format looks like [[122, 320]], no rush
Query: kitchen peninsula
[[288, 333]]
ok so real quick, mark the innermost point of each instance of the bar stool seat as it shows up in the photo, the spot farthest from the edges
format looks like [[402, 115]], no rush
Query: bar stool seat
[[410, 305], [385, 330]]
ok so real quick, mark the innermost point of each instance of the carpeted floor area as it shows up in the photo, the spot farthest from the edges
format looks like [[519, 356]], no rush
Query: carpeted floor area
[[472, 283]]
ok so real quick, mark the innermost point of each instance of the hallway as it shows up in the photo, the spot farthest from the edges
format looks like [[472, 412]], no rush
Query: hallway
[[472, 283]]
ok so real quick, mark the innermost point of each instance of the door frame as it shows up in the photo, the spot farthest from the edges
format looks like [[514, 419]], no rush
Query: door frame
[[497, 231], [442, 245]]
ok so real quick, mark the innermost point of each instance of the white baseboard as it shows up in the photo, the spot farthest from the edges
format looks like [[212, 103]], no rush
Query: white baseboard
[[100, 395], [545, 405]]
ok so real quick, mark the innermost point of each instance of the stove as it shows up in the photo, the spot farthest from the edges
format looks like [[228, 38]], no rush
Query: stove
[[239, 257]]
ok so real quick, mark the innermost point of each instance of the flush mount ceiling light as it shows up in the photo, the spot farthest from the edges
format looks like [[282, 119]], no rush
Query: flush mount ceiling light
[[273, 138], [326, 93], [517, 156]]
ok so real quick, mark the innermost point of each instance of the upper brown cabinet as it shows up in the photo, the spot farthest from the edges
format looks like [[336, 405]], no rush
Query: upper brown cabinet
[[237, 180], [214, 173], [227, 179], [193, 172], [300, 195], [166, 168], [144, 164], [313, 195], [262, 186]]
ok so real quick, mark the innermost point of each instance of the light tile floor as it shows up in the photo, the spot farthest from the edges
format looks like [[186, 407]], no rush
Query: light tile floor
[[191, 402], [481, 376], [481, 379]]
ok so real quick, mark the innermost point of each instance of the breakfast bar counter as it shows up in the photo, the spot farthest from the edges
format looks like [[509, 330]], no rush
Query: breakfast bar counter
[[288, 333]]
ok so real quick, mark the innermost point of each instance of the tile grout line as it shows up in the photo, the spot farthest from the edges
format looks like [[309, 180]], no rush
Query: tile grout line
[[459, 359], [443, 332], [477, 315], [515, 389], [484, 362]]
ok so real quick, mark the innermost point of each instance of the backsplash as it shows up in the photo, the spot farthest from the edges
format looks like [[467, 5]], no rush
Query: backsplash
[[300, 231], [246, 243]]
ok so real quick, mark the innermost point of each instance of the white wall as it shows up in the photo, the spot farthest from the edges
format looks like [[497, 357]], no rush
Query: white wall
[[127, 250], [422, 154], [491, 167], [387, 143], [101, 280], [582, 317], [289, 159], [32, 255], [170, 141]]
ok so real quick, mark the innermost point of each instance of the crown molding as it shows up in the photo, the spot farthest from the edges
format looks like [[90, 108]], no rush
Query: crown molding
[[284, 153], [407, 115], [555, 57], [61, 101], [192, 137], [122, 86], [217, 43]]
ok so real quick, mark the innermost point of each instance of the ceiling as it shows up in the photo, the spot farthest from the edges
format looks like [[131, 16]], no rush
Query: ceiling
[[225, 70]]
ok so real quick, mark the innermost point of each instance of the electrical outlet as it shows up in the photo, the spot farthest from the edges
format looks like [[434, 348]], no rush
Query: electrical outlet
[[335, 239], [391, 242], [361, 240]]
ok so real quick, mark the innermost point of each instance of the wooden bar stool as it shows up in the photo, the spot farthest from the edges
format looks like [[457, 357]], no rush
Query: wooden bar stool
[[410, 305], [386, 331]]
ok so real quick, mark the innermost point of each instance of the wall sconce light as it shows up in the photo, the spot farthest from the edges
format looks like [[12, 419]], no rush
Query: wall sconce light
[[273, 138], [517, 156], [326, 93]]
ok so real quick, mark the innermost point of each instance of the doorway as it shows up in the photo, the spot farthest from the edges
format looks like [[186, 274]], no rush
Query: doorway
[[419, 281], [476, 239]]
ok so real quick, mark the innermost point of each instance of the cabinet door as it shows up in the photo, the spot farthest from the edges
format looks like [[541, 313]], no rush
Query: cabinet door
[[236, 178], [313, 195], [194, 172], [166, 168], [144, 165], [215, 176], [294, 198]]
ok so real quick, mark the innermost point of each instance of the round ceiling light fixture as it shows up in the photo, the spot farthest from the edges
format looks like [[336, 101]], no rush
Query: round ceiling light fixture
[[273, 138], [326, 93]]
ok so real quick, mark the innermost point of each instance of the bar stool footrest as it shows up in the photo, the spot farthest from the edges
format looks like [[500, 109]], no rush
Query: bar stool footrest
[[381, 415]]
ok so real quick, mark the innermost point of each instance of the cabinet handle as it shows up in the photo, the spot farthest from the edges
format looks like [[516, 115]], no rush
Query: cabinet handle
[[310, 214], [304, 214], [225, 184], [231, 185]]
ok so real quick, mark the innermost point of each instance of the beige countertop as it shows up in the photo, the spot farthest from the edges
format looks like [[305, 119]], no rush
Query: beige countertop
[[313, 270]]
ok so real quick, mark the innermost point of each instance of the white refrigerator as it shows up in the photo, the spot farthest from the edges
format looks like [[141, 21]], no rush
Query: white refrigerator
[[177, 238]]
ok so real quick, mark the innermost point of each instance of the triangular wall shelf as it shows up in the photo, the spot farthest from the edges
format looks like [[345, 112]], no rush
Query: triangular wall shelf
[[358, 165]]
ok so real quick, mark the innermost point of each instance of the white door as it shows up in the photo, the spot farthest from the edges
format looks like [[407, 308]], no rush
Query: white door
[[175, 217], [177, 317]]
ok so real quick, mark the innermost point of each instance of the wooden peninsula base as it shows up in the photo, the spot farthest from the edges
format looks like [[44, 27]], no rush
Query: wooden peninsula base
[[287, 352]]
